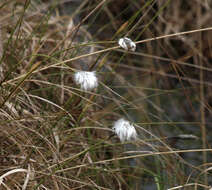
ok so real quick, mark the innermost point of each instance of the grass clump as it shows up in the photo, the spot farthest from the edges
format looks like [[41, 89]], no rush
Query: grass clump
[[65, 82]]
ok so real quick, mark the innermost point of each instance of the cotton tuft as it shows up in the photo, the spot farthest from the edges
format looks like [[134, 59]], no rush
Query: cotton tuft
[[86, 80], [127, 44], [124, 130]]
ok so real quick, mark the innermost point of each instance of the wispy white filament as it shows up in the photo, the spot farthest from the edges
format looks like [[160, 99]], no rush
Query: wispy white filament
[[86, 80], [124, 130], [127, 44]]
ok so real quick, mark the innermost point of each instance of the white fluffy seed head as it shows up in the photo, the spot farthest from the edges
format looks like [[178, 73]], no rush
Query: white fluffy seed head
[[86, 80], [124, 130], [127, 44]]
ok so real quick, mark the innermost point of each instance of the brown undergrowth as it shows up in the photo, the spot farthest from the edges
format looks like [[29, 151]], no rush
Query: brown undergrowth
[[56, 136]]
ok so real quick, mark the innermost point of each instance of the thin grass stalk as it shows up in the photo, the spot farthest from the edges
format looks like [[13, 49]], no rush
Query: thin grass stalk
[[202, 99], [128, 157]]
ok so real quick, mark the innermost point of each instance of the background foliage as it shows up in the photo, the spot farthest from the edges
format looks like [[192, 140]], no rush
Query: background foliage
[[54, 136]]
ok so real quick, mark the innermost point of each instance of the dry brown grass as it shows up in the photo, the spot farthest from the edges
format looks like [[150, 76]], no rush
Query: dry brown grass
[[54, 136]]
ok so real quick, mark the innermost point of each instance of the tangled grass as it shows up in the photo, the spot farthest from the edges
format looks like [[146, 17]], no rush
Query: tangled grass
[[56, 136]]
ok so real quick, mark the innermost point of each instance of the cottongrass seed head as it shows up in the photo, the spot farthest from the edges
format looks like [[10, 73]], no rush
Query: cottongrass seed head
[[124, 130], [127, 44], [86, 80]]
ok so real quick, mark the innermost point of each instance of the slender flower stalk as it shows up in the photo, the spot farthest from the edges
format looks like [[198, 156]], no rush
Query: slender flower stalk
[[124, 130], [127, 44], [86, 80]]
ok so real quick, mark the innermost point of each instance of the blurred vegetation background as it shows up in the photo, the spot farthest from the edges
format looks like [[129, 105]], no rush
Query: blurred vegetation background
[[55, 136]]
